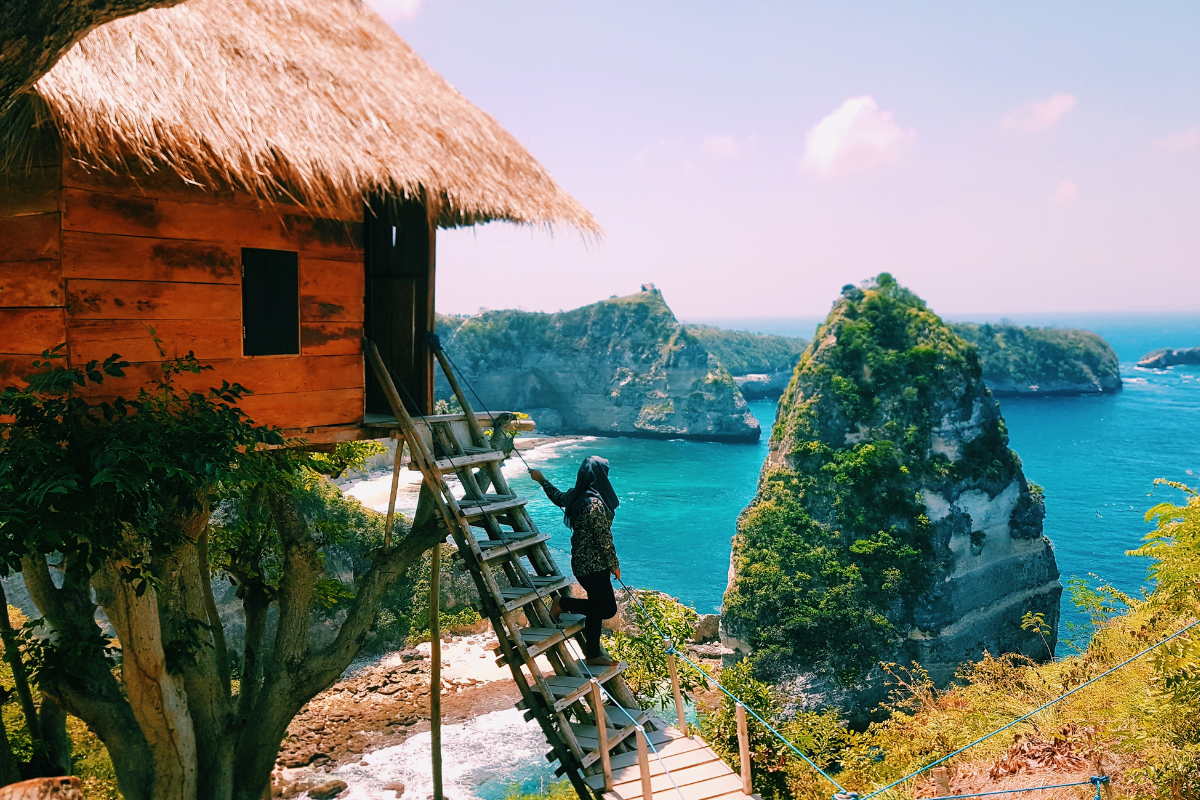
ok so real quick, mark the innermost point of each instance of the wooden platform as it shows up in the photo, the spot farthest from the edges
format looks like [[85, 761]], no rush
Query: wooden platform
[[698, 771]]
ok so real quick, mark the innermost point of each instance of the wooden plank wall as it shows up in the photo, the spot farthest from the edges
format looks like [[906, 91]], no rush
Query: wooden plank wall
[[32, 295], [168, 257]]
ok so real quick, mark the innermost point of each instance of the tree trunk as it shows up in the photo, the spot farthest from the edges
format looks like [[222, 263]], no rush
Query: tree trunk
[[37, 33], [193, 655], [53, 719], [156, 697], [12, 654], [88, 689]]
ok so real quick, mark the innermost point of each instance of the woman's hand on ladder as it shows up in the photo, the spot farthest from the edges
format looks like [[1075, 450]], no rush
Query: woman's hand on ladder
[[537, 475]]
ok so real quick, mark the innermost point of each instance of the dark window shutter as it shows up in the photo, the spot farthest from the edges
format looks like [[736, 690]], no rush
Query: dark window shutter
[[270, 302]]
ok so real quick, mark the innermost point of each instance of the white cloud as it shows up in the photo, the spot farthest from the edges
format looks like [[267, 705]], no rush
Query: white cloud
[[1179, 141], [395, 10], [721, 148], [856, 137], [1040, 115], [1067, 192]]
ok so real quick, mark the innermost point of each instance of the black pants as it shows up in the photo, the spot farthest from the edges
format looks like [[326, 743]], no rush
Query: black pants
[[600, 605]]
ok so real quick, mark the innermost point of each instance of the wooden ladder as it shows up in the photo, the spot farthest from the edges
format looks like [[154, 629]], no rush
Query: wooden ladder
[[516, 576]]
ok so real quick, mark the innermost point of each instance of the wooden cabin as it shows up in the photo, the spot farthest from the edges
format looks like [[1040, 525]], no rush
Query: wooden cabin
[[257, 181]]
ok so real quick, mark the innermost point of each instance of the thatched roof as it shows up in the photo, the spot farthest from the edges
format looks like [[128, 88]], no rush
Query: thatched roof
[[318, 101]]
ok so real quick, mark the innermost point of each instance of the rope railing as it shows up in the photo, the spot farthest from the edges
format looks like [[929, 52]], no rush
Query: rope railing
[[843, 793]]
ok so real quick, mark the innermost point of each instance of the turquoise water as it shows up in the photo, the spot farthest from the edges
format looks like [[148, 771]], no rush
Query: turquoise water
[[1097, 458]]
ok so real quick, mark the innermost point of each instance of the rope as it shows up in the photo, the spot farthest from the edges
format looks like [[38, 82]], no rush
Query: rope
[[433, 340], [1097, 781]]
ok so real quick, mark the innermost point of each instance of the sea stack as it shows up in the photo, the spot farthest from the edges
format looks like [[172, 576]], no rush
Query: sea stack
[[892, 521], [621, 367]]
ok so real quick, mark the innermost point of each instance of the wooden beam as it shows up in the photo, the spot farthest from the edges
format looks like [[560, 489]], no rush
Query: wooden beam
[[676, 690], [602, 734], [644, 765], [744, 748]]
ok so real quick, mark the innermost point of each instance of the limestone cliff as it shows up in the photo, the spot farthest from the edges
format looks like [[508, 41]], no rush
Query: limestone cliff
[[1168, 357], [621, 367], [1043, 361], [761, 363], [892, 521]]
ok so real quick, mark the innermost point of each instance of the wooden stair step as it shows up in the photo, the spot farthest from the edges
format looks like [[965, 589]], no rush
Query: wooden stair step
[[516, 596], [493, 549], [568, 689], [539, 640], [455, 463], [679, 746], [587, 735], [472, 510]]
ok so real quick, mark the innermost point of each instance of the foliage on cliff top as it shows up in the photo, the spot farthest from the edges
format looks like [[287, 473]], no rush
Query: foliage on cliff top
[[1020, 357], [836, 542], [745, 353], [642, 323]]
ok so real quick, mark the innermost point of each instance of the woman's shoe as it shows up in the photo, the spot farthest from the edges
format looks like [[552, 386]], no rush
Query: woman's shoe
[[600, 661], [556, 609]]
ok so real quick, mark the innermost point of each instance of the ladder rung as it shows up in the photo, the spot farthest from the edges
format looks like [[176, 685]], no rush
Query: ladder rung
[[538, 640], [586, 734], [460, 462], [492, 506], [567, 690], [498, 548], [517, 596]]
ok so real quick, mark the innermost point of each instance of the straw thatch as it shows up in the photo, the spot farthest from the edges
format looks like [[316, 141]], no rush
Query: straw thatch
[[316, 101]]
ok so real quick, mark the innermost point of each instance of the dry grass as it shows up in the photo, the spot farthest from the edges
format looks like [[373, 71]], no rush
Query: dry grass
[[313, 101]]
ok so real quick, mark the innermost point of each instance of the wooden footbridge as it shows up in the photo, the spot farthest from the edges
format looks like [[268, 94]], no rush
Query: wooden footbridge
[[604, 742]]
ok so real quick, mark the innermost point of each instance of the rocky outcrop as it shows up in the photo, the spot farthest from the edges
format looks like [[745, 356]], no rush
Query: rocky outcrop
[[1042, 361], [761, 386], [762, 364], [621, 367], [892, 521], [1167, 357]]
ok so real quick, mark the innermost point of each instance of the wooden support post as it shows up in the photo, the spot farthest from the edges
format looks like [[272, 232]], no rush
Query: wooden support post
[[391, 515], [644, 765], [435, 667], [602, 734], [1109, 792], [683, 726], [942, 776], [744, 748]]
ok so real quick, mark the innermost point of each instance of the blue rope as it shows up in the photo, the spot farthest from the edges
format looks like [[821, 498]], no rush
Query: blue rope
[[1030, 789], [1042, 707]]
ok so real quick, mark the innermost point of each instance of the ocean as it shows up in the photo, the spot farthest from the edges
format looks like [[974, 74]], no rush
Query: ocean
[[1097, 458]]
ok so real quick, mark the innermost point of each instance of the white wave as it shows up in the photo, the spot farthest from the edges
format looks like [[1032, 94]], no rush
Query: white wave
[[481, 758]]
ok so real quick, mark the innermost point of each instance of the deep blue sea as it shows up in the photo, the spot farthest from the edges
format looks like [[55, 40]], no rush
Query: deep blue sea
[[1096, 457]]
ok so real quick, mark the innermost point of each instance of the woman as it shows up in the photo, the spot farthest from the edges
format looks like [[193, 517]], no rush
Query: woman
[[588, 512]]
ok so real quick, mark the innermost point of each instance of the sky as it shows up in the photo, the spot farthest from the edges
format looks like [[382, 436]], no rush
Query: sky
[[751, 158]]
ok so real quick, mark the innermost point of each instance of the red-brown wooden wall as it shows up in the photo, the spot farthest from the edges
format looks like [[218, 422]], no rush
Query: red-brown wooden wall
[[96, 260]]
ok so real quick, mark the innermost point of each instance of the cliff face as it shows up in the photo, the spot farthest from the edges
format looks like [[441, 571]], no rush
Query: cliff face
[[1043, 361], [762, 364], [892, 521], [621, 367], [1168, 357]]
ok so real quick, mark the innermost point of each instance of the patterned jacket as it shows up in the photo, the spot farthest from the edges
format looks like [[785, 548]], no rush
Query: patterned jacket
[[592, 548]]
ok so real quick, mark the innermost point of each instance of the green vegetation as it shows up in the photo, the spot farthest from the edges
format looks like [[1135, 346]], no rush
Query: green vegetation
[[641, 646], [1052, 359], [745, 353], [837, 541], [113, 503]]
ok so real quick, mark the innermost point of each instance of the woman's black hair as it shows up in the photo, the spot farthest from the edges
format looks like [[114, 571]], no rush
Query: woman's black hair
[[591, 481]]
